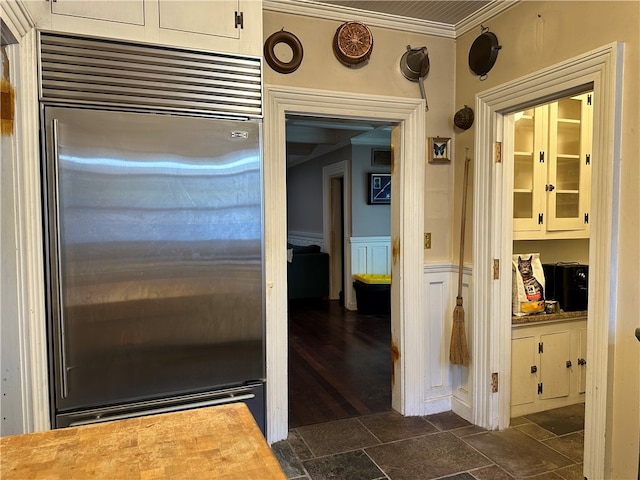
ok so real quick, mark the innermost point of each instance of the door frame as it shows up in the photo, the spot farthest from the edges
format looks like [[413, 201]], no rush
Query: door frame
[[601, 70], [329, 174], [407, 225]]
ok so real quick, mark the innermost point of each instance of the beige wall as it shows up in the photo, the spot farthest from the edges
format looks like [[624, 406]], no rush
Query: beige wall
[[381, 76], [535, 35]]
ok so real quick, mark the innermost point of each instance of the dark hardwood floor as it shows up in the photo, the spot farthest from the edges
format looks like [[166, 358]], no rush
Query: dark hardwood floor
[[339, 362]]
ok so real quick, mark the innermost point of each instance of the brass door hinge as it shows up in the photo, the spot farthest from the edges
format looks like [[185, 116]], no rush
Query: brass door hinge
[[494, 382], [498, 152], [496, 269]]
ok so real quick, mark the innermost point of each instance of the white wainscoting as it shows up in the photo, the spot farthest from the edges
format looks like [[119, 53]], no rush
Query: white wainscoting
[[368, 255], [306, 238], [447, 386]]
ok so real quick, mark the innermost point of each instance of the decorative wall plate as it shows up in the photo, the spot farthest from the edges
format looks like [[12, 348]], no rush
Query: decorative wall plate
[[353, 43]]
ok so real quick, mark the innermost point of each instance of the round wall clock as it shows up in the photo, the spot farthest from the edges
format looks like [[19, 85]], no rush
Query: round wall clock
[[353, 43]]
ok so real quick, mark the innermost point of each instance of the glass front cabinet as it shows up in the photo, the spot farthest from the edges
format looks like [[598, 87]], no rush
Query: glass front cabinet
[[552, 174]]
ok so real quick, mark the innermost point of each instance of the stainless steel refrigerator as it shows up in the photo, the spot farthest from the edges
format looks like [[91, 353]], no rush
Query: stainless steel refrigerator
[[154, 263]]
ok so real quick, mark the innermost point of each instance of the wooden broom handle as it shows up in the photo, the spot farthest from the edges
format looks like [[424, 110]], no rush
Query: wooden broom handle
[[462, 220]]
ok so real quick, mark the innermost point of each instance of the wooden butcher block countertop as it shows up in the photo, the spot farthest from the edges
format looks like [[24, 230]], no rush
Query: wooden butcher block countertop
[[221, 442]]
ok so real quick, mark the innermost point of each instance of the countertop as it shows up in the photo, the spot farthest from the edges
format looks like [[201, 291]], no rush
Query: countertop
[[221, 442], [548, 317]]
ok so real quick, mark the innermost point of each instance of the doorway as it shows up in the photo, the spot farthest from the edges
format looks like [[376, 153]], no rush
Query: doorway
[[549, 146], [327, 379], [406, 234], [599, 69]]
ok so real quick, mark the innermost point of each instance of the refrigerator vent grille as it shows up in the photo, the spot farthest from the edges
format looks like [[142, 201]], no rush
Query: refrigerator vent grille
[[111, 73]]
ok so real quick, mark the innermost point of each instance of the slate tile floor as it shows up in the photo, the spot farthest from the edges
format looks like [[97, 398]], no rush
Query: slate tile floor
[[542, 446]]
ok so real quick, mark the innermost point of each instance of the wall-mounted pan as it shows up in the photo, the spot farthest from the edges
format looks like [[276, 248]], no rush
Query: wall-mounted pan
[[274, 62], [483, 53]]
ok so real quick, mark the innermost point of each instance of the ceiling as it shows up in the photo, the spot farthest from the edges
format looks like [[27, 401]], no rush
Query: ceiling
[[309, 137], [449, 12]]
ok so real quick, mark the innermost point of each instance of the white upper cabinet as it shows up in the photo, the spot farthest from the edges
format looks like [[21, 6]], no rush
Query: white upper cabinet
[[224, 26], [220, 18], [552, 169], [125, 11]]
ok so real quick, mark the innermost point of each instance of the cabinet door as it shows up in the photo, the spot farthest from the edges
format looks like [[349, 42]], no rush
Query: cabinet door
[[569, 163], [529, 169], [125, 11], [554, 372], [524, 378], [211, 17]]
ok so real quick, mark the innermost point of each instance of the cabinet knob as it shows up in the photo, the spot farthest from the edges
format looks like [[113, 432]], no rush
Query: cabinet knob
[[549, 188], [534, 368], [582, 361], [568, 363]]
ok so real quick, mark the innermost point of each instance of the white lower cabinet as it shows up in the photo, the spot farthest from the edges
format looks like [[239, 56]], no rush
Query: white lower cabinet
[[548, 365]]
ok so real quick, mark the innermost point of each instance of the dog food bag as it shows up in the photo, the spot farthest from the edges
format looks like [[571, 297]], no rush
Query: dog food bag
[[528, 284]]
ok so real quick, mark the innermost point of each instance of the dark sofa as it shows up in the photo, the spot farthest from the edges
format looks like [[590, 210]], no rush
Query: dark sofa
[[307, 272]]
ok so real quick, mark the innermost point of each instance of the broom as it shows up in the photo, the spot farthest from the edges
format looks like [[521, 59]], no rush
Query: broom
[[458, 353]]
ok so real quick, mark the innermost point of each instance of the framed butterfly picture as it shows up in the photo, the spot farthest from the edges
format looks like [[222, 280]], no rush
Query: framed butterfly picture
[[439, 150]]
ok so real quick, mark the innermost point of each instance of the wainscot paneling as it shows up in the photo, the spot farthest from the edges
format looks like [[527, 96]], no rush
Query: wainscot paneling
[[447, 386], [370, 255]]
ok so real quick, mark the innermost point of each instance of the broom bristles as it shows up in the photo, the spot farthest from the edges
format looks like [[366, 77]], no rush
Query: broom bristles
[[458, 352]]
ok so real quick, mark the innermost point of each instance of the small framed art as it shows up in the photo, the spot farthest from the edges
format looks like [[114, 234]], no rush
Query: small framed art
[[439, 150], [379, 188]]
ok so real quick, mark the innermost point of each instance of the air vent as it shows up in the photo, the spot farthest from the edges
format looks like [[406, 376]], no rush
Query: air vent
[[92, 71]]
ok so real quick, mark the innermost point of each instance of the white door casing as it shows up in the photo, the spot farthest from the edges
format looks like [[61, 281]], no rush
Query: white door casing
[[329, 174], [600, 69], [407, 231]]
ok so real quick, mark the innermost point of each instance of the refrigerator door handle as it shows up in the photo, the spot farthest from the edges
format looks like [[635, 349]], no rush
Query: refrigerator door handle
[[155, 411], [62, 350]]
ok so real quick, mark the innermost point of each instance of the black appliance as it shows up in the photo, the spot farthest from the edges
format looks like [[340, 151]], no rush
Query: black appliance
[[568, 283]]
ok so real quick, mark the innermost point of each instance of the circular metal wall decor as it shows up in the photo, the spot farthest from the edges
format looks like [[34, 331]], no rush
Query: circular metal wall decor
[[463, 118], [352, 43], [483, 53], [293, 42]]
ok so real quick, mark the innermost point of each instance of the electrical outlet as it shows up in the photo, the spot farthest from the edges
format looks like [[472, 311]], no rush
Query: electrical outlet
[[427, 240]]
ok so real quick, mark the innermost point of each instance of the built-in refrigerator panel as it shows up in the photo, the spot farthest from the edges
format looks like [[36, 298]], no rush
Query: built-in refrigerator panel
[[155, 280]]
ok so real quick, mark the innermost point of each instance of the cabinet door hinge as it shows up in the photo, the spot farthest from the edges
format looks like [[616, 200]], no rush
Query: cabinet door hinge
[[496, 269], [540, 218], [589, 99], [587, 160], [540, 347], [586, 218], [498, 152], [239, 20], [494, 382], [539, 388], [541, 157]]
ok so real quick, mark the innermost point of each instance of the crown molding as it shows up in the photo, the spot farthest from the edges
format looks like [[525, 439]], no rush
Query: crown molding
[[310, 8], [16, 18]]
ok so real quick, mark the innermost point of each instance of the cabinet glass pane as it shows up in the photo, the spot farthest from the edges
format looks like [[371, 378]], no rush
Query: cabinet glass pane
[[522, 205], [523, 172], [567, 173], [567, 205], [568, 140], [523, 133], [569, 109]]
